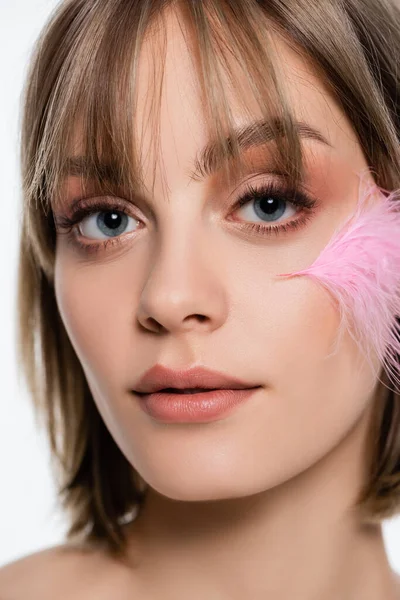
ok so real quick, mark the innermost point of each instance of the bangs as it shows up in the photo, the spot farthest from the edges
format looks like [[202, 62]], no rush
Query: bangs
[[90, 114]]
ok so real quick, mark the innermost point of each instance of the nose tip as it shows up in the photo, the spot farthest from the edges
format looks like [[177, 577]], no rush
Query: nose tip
[[196, 308], [184, 288]]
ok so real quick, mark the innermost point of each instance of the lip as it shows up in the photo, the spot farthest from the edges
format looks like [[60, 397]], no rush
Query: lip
[[200, 407], [160, 377]]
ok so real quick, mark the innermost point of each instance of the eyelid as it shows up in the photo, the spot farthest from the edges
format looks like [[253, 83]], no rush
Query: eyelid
[[300, 196], [89, 205], [268, 177]]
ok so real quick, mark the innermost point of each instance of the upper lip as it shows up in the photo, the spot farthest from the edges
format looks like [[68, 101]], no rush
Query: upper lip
[[160, 377]]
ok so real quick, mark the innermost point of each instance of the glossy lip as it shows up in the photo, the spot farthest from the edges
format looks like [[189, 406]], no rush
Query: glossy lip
[[159, 377]]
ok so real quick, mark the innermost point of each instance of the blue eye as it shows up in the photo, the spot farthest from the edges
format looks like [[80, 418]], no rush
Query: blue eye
[[267, 207], [109, 222], [271, 201]]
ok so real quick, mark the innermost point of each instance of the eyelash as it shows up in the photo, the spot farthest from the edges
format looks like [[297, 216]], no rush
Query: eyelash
[[251, 194]]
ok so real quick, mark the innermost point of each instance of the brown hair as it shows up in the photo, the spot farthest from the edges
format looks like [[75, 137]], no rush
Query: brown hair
[[84, 64]]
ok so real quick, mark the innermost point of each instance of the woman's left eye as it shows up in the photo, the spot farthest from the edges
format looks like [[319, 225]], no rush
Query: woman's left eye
[[271, 202]]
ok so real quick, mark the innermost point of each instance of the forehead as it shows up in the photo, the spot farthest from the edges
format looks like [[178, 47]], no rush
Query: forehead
[[169, 94]]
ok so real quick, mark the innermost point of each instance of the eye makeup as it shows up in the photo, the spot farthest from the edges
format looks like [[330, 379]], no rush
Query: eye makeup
[[267, 197]]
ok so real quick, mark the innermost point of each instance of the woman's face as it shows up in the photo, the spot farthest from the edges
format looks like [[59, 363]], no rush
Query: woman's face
[[191, 284]]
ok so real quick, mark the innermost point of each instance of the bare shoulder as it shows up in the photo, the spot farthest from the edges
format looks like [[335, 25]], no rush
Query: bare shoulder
[[61, 572]]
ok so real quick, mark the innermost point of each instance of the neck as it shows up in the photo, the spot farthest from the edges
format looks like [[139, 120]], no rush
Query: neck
[[301, 539]]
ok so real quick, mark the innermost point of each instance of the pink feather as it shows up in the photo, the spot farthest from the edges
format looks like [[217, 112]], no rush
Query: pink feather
[[360, 268]]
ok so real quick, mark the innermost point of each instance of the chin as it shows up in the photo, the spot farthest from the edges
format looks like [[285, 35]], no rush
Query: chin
[[192, 487]]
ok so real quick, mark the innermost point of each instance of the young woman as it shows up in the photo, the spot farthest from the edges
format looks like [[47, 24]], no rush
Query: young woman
[[178, 158]]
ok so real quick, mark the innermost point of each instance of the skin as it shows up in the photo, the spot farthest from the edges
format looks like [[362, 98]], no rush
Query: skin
[[258, 504]]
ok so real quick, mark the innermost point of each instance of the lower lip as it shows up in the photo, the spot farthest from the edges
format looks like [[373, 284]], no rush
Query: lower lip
[[193, 408]]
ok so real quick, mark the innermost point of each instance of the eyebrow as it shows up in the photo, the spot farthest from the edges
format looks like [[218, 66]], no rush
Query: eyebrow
[[210, 159], [257, 133], [81, 166]]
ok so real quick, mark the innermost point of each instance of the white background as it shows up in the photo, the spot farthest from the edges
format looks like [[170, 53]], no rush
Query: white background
[[29, 517]]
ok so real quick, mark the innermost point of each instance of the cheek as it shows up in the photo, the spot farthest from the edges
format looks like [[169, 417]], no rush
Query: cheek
[[318, 391], [315, 392], [360, 270], [92, 310], [294, 325]]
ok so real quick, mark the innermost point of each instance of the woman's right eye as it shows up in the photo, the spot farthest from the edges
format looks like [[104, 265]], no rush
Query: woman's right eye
[[109, 222], [109, 217]]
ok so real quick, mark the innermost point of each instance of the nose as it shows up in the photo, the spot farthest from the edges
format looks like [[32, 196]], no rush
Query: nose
[[184, 289]]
